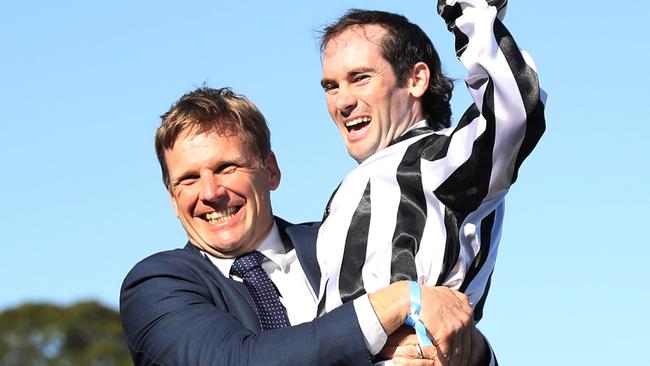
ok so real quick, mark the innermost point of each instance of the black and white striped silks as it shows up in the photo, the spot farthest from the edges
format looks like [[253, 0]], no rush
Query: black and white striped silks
[[430, 206]]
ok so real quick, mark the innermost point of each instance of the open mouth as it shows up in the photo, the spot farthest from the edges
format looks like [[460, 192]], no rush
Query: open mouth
[[357, 124], [221, 215]]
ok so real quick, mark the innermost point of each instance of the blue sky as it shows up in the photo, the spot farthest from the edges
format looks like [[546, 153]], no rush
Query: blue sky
[[83, 84]]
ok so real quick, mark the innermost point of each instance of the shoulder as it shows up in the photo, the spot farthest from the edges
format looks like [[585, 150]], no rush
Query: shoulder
[[283, 224], [181, 262], [298, 232], [302, 236]]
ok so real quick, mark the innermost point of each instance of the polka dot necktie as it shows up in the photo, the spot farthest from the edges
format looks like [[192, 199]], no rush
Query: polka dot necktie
[[269, 309]]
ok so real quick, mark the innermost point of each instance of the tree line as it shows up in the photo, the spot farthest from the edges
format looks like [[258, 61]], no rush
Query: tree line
[[84, 333]]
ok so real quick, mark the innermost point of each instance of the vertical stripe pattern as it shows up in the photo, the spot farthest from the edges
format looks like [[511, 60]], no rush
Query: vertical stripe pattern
[[438, 197], [354, 255], [411, 217]]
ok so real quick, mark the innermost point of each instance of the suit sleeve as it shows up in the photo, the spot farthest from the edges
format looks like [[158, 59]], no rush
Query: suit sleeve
[[170, 317]]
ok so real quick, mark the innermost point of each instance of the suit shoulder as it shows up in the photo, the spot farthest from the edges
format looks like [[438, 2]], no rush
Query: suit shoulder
[[177, 261], [284, 224]]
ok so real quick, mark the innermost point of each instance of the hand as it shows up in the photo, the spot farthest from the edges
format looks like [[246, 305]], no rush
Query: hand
[[447, 316], [402, 348], [449, 321]]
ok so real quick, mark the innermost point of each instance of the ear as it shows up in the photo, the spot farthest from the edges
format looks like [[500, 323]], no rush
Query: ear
[[174, 204], [273, 170], [418, 82]]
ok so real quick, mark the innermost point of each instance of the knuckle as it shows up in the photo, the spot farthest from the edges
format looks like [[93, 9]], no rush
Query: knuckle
[[466, 319], [430, 351]]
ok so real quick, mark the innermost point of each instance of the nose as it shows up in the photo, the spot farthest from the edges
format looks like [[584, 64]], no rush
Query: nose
[[346, 101], [212, 188]]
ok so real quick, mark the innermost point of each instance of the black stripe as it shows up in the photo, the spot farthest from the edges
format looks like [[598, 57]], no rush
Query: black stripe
[[449, 13], [461, 41], [354, 254], [464, 190], [321, 305], [437, 145], [487, 224], [528, 85], [411, 215], [412, 133], [478, 308], [452, 246], [499, 4]]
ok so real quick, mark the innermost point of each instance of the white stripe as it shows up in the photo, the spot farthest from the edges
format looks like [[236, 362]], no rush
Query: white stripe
[[429, 258], [484, 60], [385, 199]]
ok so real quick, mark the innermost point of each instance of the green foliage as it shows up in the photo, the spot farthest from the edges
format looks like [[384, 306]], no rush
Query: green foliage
[[85, 333]]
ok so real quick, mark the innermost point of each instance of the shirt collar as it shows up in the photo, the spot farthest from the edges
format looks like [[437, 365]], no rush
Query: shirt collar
[[271, 247], [402, 137], [422, 123]]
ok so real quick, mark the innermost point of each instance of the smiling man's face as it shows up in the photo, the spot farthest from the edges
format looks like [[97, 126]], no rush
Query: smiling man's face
[[363, 96], [221, 192]]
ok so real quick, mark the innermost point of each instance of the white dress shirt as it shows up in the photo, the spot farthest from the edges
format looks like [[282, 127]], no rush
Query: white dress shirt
[[297, 295]]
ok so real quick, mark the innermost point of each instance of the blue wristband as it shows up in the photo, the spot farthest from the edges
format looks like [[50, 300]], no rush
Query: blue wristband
[[413, 319]]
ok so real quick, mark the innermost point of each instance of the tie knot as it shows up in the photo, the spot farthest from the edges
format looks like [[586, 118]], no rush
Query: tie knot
[[246, 263]]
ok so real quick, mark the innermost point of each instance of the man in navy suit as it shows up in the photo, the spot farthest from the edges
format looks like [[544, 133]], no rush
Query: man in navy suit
[[186, 307]]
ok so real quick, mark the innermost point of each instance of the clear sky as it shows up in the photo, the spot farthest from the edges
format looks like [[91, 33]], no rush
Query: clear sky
[[82, 85]]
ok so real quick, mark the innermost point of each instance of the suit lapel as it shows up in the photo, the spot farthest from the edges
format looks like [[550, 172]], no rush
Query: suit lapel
[[233, 292], [303, 239]]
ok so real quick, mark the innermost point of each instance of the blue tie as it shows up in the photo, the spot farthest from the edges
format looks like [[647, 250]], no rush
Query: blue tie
[[269, 309]]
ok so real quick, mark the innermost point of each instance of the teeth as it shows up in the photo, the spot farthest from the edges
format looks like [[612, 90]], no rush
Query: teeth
[[222, 215], [357, 121]]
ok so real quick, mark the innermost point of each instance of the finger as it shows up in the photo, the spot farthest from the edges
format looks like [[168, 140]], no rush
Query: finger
[[449, 337], [460, 296], [461, 353], [403, 335], [454, 344], [412, 351], [409, 355], [408, 351], [430, 352], [387, 352], [401, 361], [462, 350], [414, 355], [411, 339], [442, 340], [464, 299], [438, 358]]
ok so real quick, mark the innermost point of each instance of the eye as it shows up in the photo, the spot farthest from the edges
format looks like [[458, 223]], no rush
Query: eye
[[330, 88], [359, 78], [187, 180], [228, 168]]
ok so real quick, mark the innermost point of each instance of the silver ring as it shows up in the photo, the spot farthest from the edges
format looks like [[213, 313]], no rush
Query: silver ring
[[420, 353]]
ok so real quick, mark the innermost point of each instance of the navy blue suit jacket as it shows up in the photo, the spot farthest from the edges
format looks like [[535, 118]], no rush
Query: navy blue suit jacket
[[177, 308]]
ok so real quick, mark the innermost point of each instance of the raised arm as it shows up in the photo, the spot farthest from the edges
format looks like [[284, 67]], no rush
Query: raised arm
[[505, 122]]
